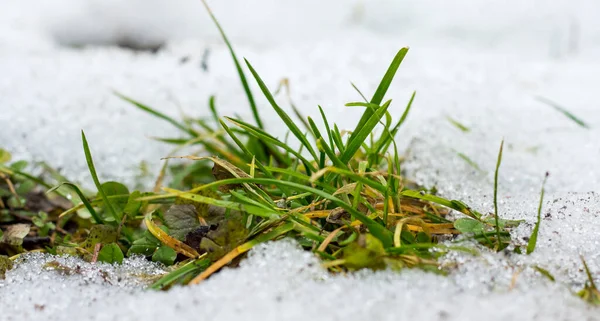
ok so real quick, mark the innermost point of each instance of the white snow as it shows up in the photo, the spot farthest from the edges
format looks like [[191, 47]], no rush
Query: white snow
[[479, 62]]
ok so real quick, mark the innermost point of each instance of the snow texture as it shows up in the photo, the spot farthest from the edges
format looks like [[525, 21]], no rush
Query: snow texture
[[482, 63]]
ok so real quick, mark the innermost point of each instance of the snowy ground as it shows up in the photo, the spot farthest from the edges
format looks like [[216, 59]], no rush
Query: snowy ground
[[481, 62]]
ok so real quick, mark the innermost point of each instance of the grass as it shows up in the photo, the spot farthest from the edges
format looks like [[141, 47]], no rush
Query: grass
[[342, 196]]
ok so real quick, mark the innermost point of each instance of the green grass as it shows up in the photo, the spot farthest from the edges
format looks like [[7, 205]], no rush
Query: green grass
[[341, 195], [563, 111]]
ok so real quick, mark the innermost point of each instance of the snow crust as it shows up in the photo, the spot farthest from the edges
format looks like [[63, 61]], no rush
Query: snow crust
[[482, 63]]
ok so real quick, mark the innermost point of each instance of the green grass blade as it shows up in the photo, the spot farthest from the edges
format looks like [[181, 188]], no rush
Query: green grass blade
[[536, 229], [198, 264], [562, 110], [262, 135], [238, 67], [157, 114], [458, 125], [467, 160], [359, 92], [90, 163], [384, 85], [362, 104], [213, 109], [358, 138], [85, 201], [326, 122], [496, 217], [322, 145], [453, 204], [245, 149], [355, 177], [386, 140], [337, 139], [30, 177], [282, 114], [544, 272]]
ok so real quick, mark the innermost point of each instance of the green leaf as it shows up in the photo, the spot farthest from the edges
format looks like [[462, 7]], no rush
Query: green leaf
[[5, 156], [132, 207], [145, 245], [367, 252], [181, 219], [103, 234], [164, 255], [468, 225], [113, 189], [110, 253]]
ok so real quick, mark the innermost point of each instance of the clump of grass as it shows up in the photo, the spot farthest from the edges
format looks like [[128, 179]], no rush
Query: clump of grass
[[342, 196]]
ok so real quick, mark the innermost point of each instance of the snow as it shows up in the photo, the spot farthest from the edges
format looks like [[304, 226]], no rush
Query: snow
[[481, 63]]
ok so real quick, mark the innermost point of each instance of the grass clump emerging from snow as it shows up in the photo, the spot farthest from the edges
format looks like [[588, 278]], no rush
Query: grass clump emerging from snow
[[342, 195]]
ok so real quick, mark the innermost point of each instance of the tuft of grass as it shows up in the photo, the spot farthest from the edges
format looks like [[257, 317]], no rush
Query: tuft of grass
[[341, 195], [590, 292]]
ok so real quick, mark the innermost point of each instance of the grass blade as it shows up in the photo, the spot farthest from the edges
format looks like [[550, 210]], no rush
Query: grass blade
[[458, 125], [357, 138], [359, 92], [536, 229], [85, 201], [238, 67], [262, 135], [384, 85], [156, 113], [90, 163], [496, 217], [565, 112], [282, 114], [327, 128], [386, 140], [322, 145], [200, 263]]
